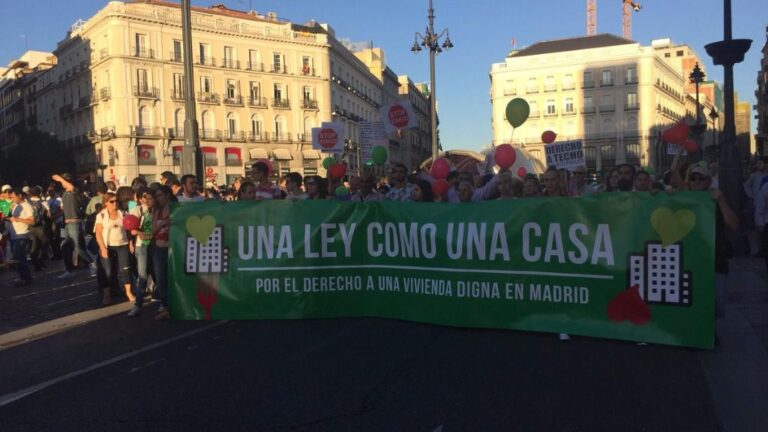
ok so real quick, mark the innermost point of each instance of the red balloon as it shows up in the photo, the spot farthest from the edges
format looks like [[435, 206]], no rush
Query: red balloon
[[440, 168], [521, 172], [440, 187], [691, 146], [677, 134], [337, 171], [548, 137], [505, 156], [130, 222]]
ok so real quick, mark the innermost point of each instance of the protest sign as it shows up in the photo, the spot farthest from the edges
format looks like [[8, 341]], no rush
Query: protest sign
[[565, 155], [551, 265], [328, 138], [397, 115], [371, 134]]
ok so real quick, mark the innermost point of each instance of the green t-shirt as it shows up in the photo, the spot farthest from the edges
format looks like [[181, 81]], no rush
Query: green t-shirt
[[5, 207]]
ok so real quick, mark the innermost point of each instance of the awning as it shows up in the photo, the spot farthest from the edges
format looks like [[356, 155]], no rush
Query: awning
[[208, 149], [258, 153], [232, 151], [311, 154], [178, 148], [282, 154]]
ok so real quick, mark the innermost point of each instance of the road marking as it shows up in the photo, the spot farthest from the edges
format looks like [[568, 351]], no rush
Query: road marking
[[31, 293], [90, 294], [15, 396], [433, 269]]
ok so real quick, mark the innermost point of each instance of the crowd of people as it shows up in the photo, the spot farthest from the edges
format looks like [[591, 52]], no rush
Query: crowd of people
[[86, 229]]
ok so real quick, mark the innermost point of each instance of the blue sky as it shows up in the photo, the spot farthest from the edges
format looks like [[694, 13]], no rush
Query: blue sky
[[480, 29]]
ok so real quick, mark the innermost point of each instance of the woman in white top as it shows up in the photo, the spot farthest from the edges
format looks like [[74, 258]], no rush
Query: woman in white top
[[114, 244]]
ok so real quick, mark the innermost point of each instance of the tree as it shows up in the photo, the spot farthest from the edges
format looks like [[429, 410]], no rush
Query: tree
[[37, 156]]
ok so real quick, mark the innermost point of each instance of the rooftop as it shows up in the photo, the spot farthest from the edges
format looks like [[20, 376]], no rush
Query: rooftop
[[572, 44]]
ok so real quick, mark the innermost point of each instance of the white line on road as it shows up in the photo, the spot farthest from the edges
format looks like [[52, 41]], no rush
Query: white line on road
[[90, 294], [15, 396], [31, 293]]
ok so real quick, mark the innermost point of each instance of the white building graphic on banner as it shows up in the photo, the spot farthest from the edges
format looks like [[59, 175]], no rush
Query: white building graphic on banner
[[659, 274], [211, 257]]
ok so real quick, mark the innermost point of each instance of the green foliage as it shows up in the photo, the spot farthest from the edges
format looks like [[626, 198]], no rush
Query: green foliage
[[37, 156]]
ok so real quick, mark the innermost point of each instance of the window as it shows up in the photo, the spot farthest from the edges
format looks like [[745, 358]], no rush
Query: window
[[568, 82], [306, 65], [178, 86], [631, 75], [588, 79], [207, 121], [549, 83], [533, 85], [534, 106], [256, 126], [231, 125], [255, 91], [141, 45], [231, 89], [209, 156], [277, 62], [589, 106], [204, 53], [254, 60], [141, 80], [307, 93], [178, 123], [229, 56], [551, 108], [607, 78], [631, 100], [280, 127], [667, 55], [206, 84], [176, 55], [679, 53], [568, 106], [607, 103], [278, 92], [147, 155], [607, 157]]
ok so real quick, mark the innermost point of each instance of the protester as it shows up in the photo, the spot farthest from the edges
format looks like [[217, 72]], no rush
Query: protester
[[72, 234], [421, 191], [161, 226], [642, 182], [38, 238], [553, 185], [114, 245], [21, 218], [509, 187], [315, 187], [578, 186], [143, 235], [265, 189], [98, 199], [531, 186], [611, 181], [189, 192], [399, 189], [247, 191], [367, 193], [293, 187]]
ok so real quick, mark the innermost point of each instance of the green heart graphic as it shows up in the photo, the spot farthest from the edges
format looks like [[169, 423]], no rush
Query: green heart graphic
[[672, 227], [201, 228]]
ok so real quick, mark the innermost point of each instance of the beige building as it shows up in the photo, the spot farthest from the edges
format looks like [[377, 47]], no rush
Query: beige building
[[614, 94], [262, 83]]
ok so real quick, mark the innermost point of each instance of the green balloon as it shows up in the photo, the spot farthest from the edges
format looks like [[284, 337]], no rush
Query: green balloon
[[379, 155], [327, 162], [341, 191], [517, 112]]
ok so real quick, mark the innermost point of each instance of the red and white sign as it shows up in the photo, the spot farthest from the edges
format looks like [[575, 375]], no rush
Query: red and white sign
[[329, 137], [398, 115]]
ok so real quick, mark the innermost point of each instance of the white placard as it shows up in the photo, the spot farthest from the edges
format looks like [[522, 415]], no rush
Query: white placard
[[675, 149], [397, 115], [329, 138], [566, 154], [371, 134]]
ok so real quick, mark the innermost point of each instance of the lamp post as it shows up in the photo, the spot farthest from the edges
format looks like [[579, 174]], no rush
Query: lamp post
[[191, 156], [713, 115], [697, 77], [431, 40], [728, 52]]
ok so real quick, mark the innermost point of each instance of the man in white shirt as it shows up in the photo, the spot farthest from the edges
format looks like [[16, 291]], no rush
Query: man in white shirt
[[22, 216], [366, 192], [189, 190]]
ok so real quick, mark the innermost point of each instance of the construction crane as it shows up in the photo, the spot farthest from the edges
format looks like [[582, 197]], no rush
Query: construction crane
[[628, 6]]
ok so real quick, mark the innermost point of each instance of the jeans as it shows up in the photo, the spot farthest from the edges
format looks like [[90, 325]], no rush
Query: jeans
[[160, 262], [123, 256], [73, 234], [19, 249], [39, 246], [142, 267]]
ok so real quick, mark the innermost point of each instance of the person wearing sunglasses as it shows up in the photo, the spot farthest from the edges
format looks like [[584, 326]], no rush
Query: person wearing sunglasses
[[114, 246]]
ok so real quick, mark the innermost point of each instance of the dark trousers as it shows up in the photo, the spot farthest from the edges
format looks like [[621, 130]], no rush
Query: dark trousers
[[39, 246], [765, 245], [20, 248], [73, 237]]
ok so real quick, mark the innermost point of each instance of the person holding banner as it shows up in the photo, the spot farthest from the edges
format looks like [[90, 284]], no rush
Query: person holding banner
[[611, 181], [247, 191], [421, 191], [553, 185], [293, 187], [265, 189], [399, 190], [161, 226], [509, 187], [642, 181], [578, 185], [531, 186], [315, 187], [367, 192]]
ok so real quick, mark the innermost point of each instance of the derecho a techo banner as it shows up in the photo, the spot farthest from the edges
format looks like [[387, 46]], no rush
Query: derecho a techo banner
[[619, 265]]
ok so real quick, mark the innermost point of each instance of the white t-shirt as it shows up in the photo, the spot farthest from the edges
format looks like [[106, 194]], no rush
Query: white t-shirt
[[22, 211], [112, 231]]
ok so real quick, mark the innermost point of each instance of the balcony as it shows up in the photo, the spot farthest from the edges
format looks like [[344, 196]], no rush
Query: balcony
[[304, 138], [569, 86], [143, 52], [630, 81], [210, 134], [256, 67], [550, 88], [309, 104], [510, 92], [530, 90], [230, 64], [588, 84], [84, 102], [146, 131], [281, 103], [206, 61], [281, 137], [94, 97], [306, 70], [176, 57], [258, 102], [632, 107], [588, 110], [105, 93], [177, 94], [234, 135], [606, 83], [233, 100], [607, 108], [257, 137], [176, 132], [569, 112], [144, 92], [208, 98], [535, 113], [276, 68]]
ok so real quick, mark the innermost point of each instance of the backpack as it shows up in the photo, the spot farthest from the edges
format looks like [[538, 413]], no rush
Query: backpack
[[38, 211]]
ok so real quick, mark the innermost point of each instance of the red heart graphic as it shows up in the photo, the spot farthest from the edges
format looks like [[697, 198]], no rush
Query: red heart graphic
[[629, 306]]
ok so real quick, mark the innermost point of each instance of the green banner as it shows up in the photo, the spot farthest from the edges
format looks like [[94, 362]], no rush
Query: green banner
[[621, 265]]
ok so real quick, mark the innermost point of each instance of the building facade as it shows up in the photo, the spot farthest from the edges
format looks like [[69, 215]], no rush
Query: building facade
[[614, 94], [762, 102], [117, 96]]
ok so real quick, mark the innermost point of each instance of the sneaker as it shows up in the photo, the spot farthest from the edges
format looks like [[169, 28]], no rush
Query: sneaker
[[65, 275], [162, 316], [134, 312], [94, 270], [565, 337]]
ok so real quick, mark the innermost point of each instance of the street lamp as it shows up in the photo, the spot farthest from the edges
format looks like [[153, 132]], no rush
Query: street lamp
[[431, 40], [713, 115], [697, 77]]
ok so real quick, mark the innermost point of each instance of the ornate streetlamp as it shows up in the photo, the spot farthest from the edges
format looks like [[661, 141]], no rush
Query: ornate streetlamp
[[431, 40], [697, 77]]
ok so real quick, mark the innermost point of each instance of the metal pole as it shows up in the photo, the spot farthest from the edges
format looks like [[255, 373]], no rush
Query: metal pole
[[432, 92], [191, 157]]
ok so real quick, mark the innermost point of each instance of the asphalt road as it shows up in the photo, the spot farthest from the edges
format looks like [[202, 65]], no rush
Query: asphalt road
[[344, 375]]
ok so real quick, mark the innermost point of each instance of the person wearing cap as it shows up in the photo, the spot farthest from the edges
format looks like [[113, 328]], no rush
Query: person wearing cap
[[73, 226], [21, 218]]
